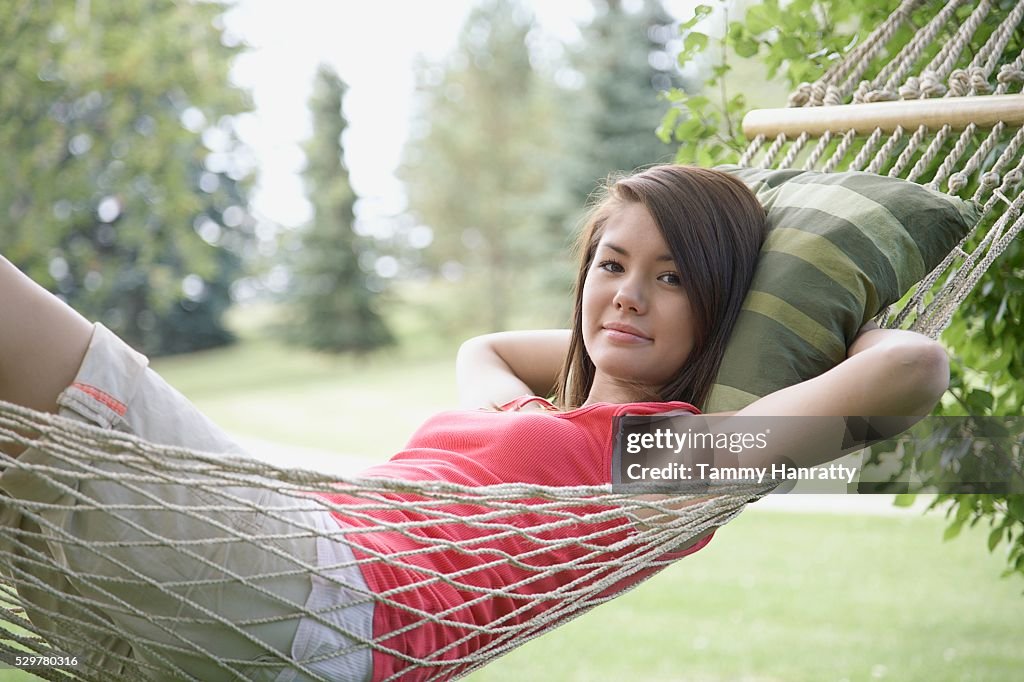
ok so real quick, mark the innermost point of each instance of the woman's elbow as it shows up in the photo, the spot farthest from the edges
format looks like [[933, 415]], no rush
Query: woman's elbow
[[922, 369]]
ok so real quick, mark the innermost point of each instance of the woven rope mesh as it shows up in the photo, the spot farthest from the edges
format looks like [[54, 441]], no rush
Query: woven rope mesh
[[101, 563], [959, 49]]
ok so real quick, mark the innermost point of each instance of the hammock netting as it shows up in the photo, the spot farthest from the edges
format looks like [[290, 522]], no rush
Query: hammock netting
[[55, 611], [864, 114]]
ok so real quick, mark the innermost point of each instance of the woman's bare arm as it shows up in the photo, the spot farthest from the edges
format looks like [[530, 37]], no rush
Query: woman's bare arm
[[889, 373], [496, 368]]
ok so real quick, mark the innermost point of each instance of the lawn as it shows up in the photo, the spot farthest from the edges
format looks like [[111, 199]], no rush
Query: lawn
[[789, 597], [775, 597], [362, 405], [800, 597]]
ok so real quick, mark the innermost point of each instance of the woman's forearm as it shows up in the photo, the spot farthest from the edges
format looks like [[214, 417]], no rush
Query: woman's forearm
[[897, 375], [888, 372]]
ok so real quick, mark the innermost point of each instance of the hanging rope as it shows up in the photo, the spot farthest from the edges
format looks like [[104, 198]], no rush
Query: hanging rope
[[957, 155]]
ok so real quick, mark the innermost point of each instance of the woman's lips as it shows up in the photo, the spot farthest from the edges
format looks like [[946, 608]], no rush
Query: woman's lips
[[623, 333]]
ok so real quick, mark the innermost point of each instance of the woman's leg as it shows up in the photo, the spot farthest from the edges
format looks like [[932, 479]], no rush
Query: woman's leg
[[42, 341], [175, 543]]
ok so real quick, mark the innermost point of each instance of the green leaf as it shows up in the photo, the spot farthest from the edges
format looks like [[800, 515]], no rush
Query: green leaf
[[668, 122], [1015, 506], [904, 500], [699, 12], [994, 537], [792, 48], [689, 130], [695, 42], [758, 20], [675, 95], [698, 103], [952, 530], [980, 401], [737, 103], [745, 47]]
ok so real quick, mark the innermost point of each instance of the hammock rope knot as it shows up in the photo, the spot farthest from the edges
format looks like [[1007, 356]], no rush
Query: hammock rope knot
[[957, 181], [1010, 74], [960, 83], [800, 96], [833, 96]]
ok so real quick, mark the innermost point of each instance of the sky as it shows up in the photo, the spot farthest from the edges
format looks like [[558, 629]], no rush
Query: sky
[[373, 46]]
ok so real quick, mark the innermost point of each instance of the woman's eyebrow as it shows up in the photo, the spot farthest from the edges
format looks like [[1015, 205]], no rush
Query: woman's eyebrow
[[618, 249]]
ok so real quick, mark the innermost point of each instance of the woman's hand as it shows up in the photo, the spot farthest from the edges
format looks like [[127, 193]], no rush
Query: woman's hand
[[493, 369]]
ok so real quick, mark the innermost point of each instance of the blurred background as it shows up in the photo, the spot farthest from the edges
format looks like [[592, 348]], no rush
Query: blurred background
[[381, 175], [299, 210]]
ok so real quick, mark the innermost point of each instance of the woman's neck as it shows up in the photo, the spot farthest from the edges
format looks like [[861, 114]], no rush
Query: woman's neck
[[619, 392]]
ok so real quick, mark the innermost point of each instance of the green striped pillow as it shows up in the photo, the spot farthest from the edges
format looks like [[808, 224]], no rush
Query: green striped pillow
[[840, 248]]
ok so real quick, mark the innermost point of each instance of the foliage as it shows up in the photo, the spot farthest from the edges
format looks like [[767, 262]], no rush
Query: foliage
[[798, 41], [483, 170], [330, 292], [124, 185], [624, 63]]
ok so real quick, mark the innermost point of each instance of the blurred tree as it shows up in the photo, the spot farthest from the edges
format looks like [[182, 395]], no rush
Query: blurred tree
[[800, 40], [125, 183], [625, 64], [329, 291], [483, 171]]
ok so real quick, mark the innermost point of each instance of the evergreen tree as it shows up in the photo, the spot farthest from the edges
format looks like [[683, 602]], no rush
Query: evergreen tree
[[330, 292], [484, 171], [123, 176], [624, 62]]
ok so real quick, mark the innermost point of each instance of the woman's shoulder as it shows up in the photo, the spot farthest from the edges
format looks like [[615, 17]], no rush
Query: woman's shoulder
[[537, 403], [526, 403]]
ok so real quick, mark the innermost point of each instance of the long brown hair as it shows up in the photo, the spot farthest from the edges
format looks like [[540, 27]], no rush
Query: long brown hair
[[713, 226]]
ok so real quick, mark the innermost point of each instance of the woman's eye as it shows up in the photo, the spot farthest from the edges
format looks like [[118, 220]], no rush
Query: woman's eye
[[610, 266], [671, 278]]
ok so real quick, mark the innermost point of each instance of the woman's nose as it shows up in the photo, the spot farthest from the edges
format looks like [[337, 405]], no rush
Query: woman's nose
[[629, 297]]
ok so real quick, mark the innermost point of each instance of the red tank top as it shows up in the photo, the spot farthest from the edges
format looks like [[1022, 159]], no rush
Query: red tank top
[[480, 448]]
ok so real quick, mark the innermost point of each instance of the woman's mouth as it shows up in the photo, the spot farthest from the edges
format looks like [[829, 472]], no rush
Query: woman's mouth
[[624, 333]]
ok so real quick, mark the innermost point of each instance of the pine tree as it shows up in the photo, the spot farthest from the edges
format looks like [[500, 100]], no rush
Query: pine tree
[[624, 64], [484, 173], [330, 293]]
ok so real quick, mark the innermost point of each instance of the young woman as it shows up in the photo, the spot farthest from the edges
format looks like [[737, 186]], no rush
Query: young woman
[[666, 258]]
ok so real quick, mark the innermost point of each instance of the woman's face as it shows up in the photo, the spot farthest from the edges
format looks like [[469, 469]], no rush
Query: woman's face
[[638, 326]]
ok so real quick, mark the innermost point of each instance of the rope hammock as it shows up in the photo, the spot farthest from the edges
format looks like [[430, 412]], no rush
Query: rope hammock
[[954, 125]]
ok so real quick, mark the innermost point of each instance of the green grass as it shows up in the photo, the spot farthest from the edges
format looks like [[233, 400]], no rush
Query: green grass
[[800, 597], [366, 405], [785, 597]]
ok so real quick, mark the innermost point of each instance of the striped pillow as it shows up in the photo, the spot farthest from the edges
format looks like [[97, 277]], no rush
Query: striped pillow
[[840, 248]]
